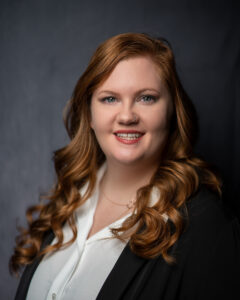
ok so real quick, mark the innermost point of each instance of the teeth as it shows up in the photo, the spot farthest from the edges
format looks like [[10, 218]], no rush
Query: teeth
[[129, 136]]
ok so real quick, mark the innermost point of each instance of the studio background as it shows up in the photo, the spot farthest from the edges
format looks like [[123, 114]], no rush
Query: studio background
[[46, 45]]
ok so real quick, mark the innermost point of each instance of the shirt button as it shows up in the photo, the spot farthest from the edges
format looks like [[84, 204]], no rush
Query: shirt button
[[54, 296]]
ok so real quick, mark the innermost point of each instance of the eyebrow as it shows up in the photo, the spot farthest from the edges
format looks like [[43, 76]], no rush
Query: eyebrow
[[138, 92]]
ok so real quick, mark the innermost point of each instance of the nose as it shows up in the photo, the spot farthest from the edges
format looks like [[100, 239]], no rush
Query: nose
[[126, 115]]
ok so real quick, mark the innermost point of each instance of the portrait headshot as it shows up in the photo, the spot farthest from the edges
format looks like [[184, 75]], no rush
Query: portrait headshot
[[120, 152]]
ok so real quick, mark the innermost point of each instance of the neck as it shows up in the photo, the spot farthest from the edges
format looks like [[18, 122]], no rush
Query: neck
[[121, 182]]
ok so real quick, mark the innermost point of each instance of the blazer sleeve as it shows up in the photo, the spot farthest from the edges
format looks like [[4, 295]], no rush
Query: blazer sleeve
[[222, 279], [207, 255], [210, 251]]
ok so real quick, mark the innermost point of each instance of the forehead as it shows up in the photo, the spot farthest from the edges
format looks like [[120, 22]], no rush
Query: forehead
[[135, 72]]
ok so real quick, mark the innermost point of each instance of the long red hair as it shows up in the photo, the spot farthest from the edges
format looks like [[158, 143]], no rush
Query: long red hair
[[178, 175]]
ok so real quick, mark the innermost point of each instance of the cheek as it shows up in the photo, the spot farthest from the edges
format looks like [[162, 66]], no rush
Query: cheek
[[95, 119], [95, 123], [101, 118], [159, 121], [99, 122]]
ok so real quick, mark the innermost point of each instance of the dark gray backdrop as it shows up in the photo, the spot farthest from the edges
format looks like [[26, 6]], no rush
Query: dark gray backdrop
[[46, 45]]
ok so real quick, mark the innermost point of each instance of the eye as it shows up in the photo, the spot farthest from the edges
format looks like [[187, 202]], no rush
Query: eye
[[109, 99], [147, 98]]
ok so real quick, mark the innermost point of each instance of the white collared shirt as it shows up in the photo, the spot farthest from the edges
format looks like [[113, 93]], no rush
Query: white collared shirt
[[79, 270]]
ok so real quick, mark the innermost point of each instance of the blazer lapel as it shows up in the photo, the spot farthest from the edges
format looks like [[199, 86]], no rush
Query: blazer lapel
[[27, 275], [127, 268], [123, 273]]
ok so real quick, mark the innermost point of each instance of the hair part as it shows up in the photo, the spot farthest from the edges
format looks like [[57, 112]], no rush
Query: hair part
[[179, 174]]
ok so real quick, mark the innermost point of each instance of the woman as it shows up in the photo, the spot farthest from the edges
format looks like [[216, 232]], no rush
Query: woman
[[134, 213]]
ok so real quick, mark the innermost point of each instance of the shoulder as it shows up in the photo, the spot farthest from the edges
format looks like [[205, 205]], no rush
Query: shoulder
[[209, 248], [208, 221], [206, 205]]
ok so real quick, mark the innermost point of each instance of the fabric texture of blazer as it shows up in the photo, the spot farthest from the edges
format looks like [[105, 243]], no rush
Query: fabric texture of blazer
[[207, 261]]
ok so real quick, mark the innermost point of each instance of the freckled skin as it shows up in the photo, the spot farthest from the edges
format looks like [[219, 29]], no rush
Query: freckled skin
[[130, 108]]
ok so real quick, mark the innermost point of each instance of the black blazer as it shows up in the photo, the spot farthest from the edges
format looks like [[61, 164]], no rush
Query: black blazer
[[208, 261]]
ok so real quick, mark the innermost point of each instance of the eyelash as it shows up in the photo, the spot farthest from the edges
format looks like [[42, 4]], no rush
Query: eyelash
[[152, 99], [105, 99]]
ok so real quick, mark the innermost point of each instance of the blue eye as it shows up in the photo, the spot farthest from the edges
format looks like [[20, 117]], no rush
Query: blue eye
[[109, 99], [148, 98]]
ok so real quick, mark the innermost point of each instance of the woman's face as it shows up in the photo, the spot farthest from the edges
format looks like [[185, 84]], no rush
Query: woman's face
[[131, 111]]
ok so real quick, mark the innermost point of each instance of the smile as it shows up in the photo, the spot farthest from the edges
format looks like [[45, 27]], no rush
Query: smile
[[128, 138]]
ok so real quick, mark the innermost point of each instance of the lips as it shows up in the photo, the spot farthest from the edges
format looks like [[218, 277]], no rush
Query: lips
[[128, 136]]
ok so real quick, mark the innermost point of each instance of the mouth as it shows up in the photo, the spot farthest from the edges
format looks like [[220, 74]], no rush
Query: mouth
[[128, 136]]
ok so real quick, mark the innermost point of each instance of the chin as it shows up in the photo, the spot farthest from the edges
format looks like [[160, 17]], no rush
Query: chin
[[128, 160]]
